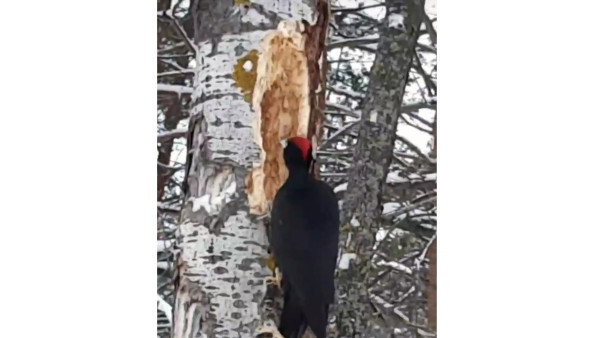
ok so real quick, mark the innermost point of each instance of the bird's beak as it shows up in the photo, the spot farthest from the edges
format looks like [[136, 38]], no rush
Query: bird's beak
[[283, 143]]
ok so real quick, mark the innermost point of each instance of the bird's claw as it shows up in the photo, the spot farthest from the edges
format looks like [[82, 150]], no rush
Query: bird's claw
[[275, 279]]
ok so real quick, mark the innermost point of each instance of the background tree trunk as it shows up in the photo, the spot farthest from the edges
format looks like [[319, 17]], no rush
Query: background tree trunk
[[254, 86], [372, 156], [432, 287], [432, 256]]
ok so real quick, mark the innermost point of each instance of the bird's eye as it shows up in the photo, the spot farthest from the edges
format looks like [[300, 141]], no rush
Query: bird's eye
[[283, 143]]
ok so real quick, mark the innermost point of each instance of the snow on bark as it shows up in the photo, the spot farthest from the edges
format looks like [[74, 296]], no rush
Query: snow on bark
[[250, 90], [344, 262]]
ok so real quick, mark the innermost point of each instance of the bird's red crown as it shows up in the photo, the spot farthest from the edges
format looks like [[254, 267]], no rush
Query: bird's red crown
[[303, 144]]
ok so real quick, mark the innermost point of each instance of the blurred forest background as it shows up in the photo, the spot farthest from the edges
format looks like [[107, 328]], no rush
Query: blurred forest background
[[376, 128]]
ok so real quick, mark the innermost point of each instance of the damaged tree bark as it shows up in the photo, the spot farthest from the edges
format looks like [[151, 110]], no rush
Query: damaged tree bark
[[373, 153], [254, 86]]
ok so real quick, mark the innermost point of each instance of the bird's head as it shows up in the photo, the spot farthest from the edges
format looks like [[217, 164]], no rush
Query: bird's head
[[297, 152]]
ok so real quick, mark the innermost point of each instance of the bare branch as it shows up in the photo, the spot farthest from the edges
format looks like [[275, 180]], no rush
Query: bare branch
[[337, 134], [421, 258], [166, 308], [342, 108], [429, 27], [429, 131], [171, 134], [414, 148], [431, 86], [357, 9], [419, 118], [401, 211], [168, 207], [179, 90], [414, 107], [346, 92], [171, 48], [426, 48], [176, 72], [354, 43], [168, 15]]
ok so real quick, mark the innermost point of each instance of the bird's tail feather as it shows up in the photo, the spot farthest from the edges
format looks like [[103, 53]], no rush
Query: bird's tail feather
[[317, 320], [292, 324]]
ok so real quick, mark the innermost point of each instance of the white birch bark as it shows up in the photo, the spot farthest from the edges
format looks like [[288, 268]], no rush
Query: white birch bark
[[222, 243]]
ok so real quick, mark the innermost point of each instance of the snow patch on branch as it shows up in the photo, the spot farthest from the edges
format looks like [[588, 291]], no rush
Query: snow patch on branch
[[340, 188], [390, 207], [347, 92], [396, 20], [165, 307], [161, 87], [163, 245], [380, 235], [381, 302], [345, 261], [168, 207], [394, 177], [397, 266]]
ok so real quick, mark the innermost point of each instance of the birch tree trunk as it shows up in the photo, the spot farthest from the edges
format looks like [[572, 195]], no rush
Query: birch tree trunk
[[257, 82], [362, 204]]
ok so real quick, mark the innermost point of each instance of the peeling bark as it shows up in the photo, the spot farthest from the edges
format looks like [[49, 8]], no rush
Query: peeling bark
[[281, 104], [251, 89], [316, 36], [373, 153]]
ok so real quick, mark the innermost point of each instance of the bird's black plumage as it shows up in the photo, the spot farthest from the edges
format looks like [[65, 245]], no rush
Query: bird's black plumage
[[304, 238]]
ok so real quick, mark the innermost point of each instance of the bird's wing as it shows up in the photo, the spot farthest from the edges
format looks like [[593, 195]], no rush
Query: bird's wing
[[304, 236]]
